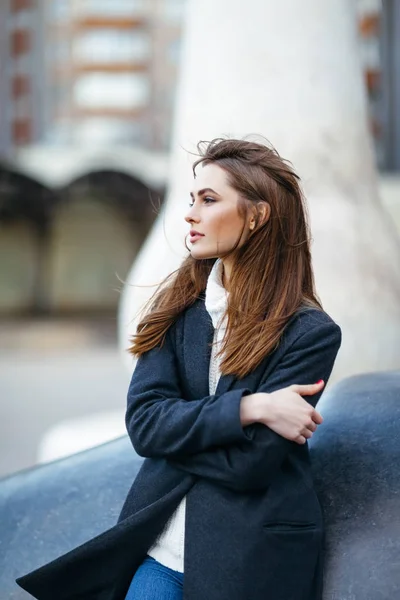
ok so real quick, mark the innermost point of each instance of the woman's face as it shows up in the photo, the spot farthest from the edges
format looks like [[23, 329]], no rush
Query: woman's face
[[214, 214]]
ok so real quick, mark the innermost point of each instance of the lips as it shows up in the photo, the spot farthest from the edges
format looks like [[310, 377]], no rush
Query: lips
[[195, 235]]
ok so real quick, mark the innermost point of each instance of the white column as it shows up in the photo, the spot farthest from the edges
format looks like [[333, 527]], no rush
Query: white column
[[291, 72]]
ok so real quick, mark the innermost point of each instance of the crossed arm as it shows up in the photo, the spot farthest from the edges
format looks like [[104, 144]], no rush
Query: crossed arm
[[252, 464], [162, 424], [205, 437]]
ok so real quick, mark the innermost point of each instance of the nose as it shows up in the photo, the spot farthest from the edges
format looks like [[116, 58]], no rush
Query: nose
[[192, 216]]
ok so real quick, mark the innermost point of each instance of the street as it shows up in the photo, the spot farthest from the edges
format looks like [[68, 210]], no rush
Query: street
[[51, 371]]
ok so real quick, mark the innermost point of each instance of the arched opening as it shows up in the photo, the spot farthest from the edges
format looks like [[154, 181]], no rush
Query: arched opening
[[66, 250], [25, 214], [100, 223]]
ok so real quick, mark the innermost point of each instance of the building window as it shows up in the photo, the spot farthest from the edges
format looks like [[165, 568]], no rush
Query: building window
[[111, 46], [18, 5], [20, 42], [94, 130], [112, 90], [111, 8], [20, 85], [390, 101], [369, 17], [22, 131]]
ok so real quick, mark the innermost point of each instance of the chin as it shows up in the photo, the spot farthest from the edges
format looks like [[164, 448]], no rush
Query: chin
[[197, 254]]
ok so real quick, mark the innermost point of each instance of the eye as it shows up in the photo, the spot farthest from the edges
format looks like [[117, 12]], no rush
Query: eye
[[207, 200]]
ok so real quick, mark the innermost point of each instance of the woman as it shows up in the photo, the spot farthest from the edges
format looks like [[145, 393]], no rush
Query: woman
[[233, 357]]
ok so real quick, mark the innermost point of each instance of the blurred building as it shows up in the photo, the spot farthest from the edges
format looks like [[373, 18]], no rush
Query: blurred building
[[379, 30], [88, 71], [87, 89], [112, 69], [96, 71], [20, 59]]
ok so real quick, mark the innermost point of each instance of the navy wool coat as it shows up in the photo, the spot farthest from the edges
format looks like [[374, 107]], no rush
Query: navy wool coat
[[253, 521]]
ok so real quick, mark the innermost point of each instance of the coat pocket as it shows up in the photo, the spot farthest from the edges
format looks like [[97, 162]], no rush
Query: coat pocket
[[289, 526], [290, 551]]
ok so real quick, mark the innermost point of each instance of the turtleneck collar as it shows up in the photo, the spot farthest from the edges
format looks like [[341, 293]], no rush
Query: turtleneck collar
[[216, 297]]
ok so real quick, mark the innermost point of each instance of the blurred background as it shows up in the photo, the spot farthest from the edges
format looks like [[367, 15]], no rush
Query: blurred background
[[87, 90]]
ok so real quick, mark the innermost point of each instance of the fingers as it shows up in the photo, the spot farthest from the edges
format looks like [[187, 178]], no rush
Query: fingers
[[308, 390], [312, 426], [317, 417], [306, 433], [300, 440]]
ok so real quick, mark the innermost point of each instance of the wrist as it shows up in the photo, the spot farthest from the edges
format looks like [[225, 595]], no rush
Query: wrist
[[262, 408], [250, 409]]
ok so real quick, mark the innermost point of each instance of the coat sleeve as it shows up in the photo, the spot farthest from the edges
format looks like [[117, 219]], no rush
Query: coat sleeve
[[162, 424], [252, 464]]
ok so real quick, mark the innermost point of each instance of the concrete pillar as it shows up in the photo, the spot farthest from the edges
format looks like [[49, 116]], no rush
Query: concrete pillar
[[289, 71]]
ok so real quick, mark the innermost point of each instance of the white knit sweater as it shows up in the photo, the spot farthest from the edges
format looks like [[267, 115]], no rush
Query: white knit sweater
[[169, 546]]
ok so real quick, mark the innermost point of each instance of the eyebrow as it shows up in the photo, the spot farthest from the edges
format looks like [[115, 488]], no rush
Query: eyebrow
[[205, 191]]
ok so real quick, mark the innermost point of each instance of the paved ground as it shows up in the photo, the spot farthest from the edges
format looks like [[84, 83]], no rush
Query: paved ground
[[51, 371]]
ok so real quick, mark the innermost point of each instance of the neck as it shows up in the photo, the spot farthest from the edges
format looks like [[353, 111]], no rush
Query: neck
[[226, 273]]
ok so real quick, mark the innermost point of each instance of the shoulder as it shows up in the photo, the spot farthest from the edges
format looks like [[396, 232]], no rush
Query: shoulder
[[307, 318], [311, 325], [304, 320], [307, 324]]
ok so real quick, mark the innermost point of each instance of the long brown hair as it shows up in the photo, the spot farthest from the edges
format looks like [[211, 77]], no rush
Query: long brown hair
[[271, 276]]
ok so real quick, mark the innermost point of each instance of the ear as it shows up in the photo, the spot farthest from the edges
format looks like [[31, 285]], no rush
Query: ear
[[261, 214]]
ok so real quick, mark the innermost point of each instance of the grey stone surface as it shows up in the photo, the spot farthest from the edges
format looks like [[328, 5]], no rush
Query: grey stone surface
[[46, 511], [356, 463]]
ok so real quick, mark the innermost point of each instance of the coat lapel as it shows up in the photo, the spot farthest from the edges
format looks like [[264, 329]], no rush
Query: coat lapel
[[250, 381], [225, 383], [198, 337]]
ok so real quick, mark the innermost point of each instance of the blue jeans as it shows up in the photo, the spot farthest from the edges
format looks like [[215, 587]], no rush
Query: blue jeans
[[154, 581]]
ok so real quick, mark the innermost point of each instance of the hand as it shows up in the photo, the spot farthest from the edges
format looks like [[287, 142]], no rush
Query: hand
[[284, 411]]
